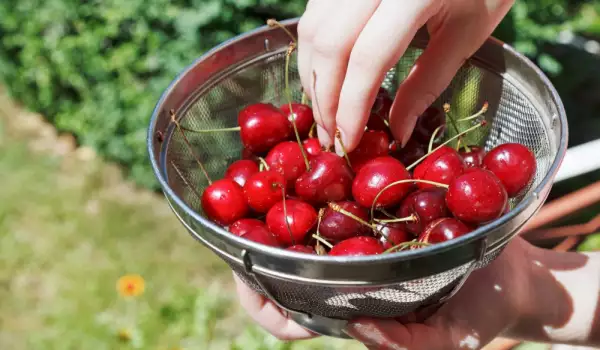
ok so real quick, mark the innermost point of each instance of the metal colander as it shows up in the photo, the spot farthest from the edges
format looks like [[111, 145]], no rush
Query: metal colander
[[322, 292]]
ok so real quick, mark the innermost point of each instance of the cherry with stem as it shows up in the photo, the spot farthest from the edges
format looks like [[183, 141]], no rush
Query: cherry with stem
[[407, 181], [338, 136], [404, 245]]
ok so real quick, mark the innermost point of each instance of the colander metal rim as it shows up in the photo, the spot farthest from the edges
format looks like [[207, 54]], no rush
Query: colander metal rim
[[397, 256]]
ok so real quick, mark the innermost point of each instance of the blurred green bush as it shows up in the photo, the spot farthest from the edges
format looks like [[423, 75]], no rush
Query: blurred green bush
[[96, 68]]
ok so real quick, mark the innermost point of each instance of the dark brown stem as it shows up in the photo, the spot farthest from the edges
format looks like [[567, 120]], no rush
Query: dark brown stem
[[191, 149], [185, 181]]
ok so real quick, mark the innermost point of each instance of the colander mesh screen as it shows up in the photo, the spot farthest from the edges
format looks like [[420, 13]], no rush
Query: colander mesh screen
[[511, 118]]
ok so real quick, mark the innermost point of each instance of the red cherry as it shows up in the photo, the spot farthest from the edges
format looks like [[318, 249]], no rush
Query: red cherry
[[514, 164], [239, 171], [380, 112], [223, 202], [427, 123], [329, 179], [474, 157], [302, 249], [243, 226], [412, 151], [336, 226], [247, 154], [357, 246], [303, 115], [442, 230], [286, 158], [301, 218], [374, 176], [263, 236], [476, 197], [392, 234], [262, 127], [263, 190], [373, 144], [442, 166], [426, 205], [312, 146]]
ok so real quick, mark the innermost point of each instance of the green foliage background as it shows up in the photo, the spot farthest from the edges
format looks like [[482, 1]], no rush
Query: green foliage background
[[96, 68]]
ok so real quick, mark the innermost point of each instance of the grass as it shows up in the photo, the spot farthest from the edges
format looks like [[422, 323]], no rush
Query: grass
[[70, 227]]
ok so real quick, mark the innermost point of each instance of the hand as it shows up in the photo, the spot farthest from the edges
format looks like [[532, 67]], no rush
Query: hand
[[349, 45]]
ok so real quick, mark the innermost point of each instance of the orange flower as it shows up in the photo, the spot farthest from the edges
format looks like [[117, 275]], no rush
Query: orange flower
[[130, 285]]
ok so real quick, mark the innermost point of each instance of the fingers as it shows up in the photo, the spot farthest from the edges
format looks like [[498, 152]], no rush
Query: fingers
[[331, 44], [444, 55], [380, 45], [267, 315]]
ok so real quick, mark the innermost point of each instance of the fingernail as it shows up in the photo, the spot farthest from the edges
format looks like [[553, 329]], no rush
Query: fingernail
[[409, 127], [323, 136], [339, 146]]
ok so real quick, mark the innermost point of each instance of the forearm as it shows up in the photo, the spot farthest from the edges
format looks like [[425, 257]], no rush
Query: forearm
[[562, 304]]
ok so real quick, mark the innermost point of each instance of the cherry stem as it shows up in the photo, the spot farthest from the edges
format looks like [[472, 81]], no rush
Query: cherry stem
[[337, 208], [480, 124], [304, 98], [189, 146], [235, 128], [311, 132], [386, 213], [285, 216], [271, 22], [404, 245], [453, 122], [476, 115], [338, 136], [185, 181], [433, 137], [263, 164], [319, 218], [400, 182], [322, 240], [412, 217]]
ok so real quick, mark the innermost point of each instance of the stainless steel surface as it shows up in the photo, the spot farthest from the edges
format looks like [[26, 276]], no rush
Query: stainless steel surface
[[524, 108]]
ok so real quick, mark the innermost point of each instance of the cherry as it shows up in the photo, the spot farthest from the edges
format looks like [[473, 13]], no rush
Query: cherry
[[426, 206], [247, 154], [261, 235], [329, 179], [477, 196], [380, 112], [262, 126], [301, 218], [442, 230], [302, 249], [357, 246], [412, 151], [514, 164], [427, 123], [239, 171], [312, 146], [303, 115], [286, 158], [392, 234], [473, 158], [337, 226], [441, 166], [372, 144], [223, 202], [243, 226], [374, 176], [263, 190]]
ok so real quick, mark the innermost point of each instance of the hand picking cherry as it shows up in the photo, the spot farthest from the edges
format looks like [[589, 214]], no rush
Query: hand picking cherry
[[303, 116], [223, 202], [312, 147], [373, 144], [514, 164], [243, 226], [477, 196], [329, 179], [473, 157], [262, 126], [410, 153], [337, 226], [263, 190], [301, 218], [441, 166], [380, 112], [374, 176], [392, 234], [261, 235], [302, 249], [239, 171], [442, 230], [357, 246], [286, 158], [426, 206], [427, 123]]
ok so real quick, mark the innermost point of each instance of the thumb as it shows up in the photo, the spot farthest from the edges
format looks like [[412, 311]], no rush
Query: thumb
[[454, 38]]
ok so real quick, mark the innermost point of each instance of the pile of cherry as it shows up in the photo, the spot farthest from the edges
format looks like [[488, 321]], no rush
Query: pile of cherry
[[289, 192]]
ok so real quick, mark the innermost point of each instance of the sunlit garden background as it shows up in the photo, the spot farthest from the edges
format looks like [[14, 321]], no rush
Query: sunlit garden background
[[90, 255]]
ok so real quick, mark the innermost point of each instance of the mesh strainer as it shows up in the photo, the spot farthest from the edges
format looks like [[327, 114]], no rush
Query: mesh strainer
[[322, 292]]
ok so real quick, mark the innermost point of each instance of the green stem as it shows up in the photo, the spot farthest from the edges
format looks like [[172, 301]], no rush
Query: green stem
[[476, 115], [433, 136], [235, 128], [389, 221], [405, 245], [399, 182], [322, 240], [288, 95], [338, 136]]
